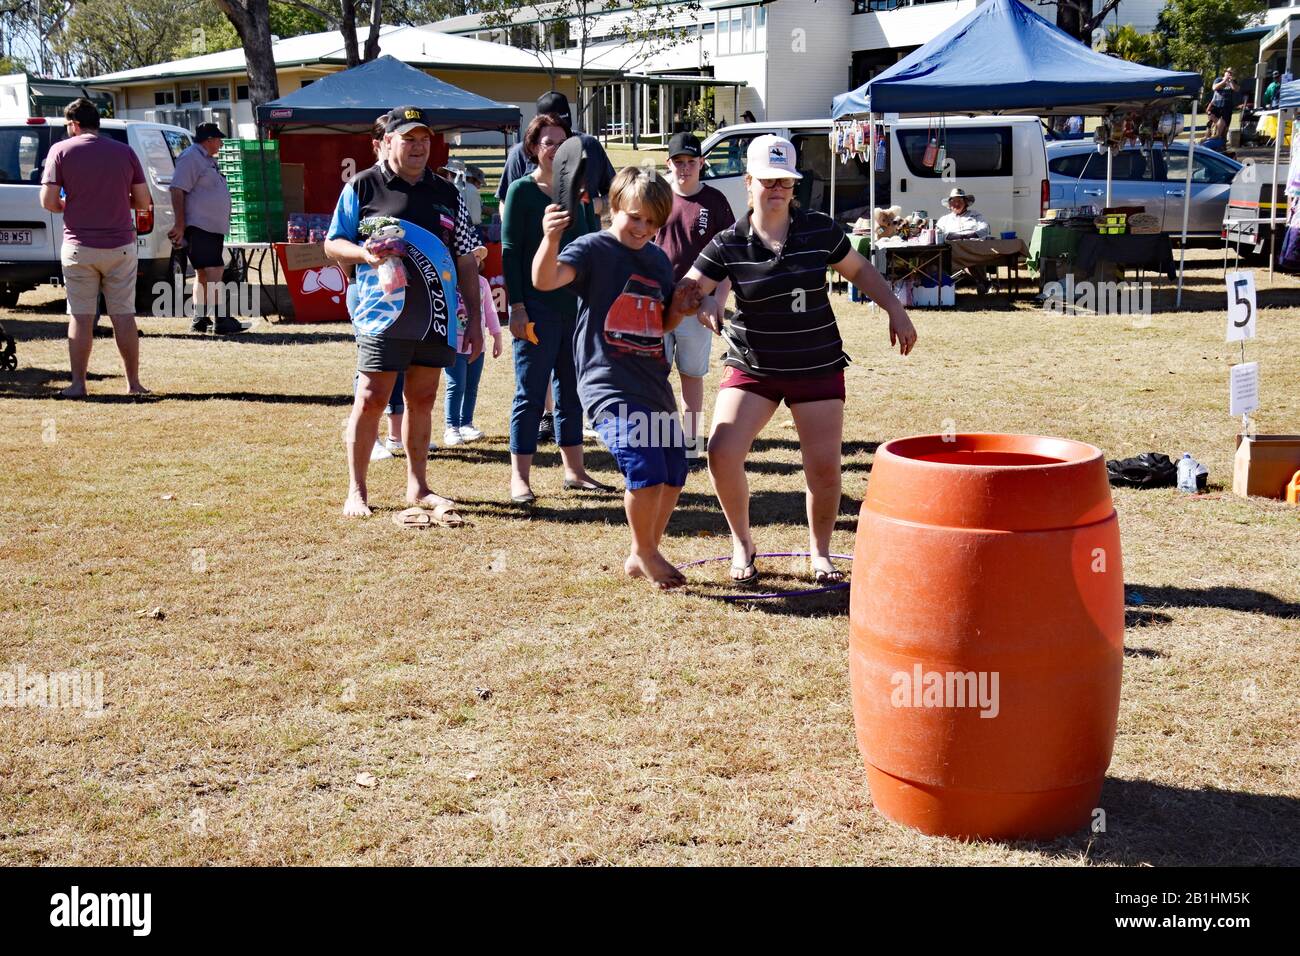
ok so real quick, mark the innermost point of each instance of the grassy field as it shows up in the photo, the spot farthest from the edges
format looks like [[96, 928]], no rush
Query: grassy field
[[285, 686]]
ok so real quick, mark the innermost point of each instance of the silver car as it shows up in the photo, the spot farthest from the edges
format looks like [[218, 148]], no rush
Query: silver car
[[1155, 179]]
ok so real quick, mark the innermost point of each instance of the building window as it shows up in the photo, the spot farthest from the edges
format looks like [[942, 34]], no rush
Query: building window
[[748, 32], [306, 83], [164, 98], [190, 96], [737, 38], [241, 91], [724, 33], [760, 31], [219, 94]]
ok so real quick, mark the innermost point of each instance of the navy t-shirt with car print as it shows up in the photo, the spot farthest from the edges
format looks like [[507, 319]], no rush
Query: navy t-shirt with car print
[[618, 343]]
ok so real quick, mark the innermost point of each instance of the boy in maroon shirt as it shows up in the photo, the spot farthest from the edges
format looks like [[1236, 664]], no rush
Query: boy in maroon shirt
[[699, 213]]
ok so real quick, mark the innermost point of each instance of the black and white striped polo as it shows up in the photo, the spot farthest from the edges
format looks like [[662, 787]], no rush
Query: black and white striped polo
[[784, 324]]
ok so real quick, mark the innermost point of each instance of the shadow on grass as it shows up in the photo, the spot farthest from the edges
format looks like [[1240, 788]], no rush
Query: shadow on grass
[[41, 383], [56, 329], [1229, 598], [1160, 825]]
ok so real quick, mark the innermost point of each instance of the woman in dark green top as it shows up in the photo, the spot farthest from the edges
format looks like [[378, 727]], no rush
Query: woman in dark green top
[[552, 315]]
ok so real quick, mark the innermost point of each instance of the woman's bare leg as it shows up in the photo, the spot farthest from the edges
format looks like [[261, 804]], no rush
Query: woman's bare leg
[[821, 432], [738, 417]]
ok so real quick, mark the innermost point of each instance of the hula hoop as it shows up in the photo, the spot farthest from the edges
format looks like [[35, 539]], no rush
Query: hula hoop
[[769, 595]]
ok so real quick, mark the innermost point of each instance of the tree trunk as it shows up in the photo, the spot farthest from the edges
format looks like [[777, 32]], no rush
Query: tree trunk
[[252, 21], [376, 21], [348, 27], [1071, 18]]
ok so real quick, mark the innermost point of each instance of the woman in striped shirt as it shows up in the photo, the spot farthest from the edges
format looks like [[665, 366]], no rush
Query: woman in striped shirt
[[783, 345]]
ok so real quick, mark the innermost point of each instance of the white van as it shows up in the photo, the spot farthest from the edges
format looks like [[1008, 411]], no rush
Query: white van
[[31, 236], [1001, 160]]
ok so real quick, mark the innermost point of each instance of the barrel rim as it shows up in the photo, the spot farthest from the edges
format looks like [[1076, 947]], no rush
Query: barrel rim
[[1088, 453]]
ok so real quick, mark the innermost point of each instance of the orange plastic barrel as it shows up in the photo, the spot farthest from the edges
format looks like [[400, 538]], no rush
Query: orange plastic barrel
[[987, 633]]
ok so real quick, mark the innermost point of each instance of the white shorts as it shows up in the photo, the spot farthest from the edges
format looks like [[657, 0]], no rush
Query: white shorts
[[688, 345]]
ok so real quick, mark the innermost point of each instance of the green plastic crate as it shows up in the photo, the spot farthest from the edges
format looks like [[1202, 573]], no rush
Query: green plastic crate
[[256, 232], [245, 147], [257, 208]]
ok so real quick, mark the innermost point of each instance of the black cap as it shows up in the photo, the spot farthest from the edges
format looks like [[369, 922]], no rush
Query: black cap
[[684, 144], [404, 118], [557, 104], [207, 131]]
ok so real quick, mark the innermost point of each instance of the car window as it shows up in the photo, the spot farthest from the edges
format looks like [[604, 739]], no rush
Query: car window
[[984, 151], [727, 157], [1129, 165], [24, 149], [22, 153], [813, 155], [1205, 169], [177, 142], [158, 156], [1070, 166]]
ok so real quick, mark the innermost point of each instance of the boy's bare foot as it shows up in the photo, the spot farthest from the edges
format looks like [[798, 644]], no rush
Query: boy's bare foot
[[138, 389], [655, 567], [73, 391], [355, 506]]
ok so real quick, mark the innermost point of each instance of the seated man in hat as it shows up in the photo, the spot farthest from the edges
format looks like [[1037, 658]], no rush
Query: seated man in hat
[[963, 222]]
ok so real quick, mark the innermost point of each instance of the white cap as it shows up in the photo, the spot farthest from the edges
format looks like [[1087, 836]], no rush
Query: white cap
[[771, 157]]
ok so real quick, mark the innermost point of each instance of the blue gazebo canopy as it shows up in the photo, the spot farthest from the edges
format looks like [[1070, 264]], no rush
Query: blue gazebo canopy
[[360, 94], [1003, 57]]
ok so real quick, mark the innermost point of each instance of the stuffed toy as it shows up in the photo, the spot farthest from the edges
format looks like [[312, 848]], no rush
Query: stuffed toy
[[888, 221]]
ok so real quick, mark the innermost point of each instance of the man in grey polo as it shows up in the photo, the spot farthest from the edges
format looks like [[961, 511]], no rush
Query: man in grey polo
[[201, 200]]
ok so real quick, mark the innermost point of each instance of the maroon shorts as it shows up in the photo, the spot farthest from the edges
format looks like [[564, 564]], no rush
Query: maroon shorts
[[791, 389]]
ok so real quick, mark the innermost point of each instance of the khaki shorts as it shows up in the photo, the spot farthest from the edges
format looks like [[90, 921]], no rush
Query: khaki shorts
[[87, 272]]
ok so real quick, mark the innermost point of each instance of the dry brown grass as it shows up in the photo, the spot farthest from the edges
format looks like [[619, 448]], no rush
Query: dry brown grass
[[623, 727]]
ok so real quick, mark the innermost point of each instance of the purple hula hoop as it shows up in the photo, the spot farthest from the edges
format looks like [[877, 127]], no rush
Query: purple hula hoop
[[769, 595]]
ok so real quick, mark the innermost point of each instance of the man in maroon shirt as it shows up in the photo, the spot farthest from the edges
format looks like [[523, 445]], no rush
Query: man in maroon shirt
[[102, 181], [699, 213]]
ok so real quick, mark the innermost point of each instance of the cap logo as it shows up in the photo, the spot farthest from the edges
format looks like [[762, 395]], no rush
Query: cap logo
[[776, 154], [411, 114]]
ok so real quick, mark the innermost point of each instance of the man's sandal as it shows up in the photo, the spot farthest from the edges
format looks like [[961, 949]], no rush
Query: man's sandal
[[833, 576]]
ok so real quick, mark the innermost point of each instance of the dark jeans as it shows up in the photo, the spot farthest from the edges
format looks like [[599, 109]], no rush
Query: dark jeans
[[462, 390], [534, 365]]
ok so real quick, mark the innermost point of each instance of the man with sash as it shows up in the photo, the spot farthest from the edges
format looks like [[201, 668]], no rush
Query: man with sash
[[410, 329]]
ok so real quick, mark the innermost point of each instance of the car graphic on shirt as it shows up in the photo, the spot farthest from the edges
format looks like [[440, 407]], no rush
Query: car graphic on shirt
[[635, 323]]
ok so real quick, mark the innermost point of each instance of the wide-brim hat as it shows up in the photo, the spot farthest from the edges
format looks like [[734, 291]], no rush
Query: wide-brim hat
[[960, 194], [569, 175]]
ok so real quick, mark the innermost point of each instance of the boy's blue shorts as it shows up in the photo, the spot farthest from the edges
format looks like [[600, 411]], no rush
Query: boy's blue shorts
[[648, 446]]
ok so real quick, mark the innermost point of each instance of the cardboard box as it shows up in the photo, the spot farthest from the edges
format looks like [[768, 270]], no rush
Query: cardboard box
[[1264, 464], [305, 255], [292, 185]]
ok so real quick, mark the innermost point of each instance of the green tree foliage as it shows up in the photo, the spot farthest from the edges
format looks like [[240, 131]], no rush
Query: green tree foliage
[[1128, 43], [1194, 33]]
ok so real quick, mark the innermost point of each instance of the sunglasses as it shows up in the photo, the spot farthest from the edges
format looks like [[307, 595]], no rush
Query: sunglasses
[[777, 183]]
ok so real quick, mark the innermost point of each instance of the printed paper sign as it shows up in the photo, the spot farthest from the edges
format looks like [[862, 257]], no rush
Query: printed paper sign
[[1243, 388], [1241, 306]]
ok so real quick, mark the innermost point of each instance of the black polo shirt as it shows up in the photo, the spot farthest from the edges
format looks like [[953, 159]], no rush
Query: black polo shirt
[[783, 324], [432, 203]]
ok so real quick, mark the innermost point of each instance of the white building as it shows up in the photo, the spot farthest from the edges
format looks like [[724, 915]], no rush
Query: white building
[[793, 56]]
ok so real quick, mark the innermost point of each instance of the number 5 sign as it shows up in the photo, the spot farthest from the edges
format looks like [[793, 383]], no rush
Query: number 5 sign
[[1241, 306]]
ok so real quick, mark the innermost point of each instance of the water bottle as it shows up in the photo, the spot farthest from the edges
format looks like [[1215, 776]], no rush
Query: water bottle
[[1187, 473]]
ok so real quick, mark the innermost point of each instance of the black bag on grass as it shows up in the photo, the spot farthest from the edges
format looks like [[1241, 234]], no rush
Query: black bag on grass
[[1147, 470]]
